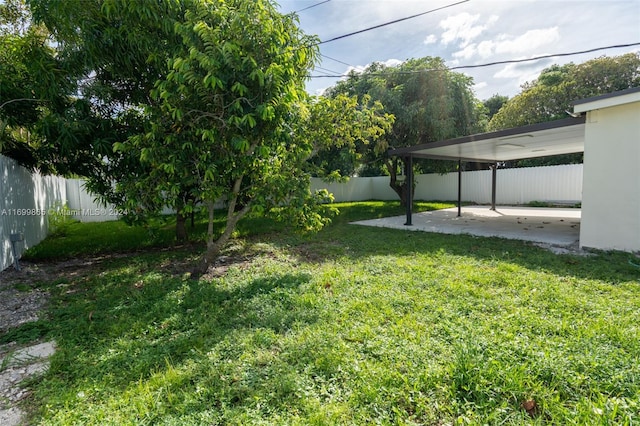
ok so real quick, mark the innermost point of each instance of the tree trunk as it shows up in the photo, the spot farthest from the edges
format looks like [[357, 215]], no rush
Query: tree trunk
[[214, 247], [181, 229], [400, 188]]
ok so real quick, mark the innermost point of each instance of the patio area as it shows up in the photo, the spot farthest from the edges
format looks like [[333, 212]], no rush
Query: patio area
[[552, 226]]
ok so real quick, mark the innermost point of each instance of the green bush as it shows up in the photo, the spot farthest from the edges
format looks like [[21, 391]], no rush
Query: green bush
[[60, 217]]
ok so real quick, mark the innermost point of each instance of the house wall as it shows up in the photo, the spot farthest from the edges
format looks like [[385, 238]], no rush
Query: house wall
[[611, 182]]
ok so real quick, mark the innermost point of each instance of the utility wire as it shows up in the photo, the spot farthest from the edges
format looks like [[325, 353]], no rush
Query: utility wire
[[511, 61], [325, 70], [312, 6], [336, 60], [390, 23], [514, 61]]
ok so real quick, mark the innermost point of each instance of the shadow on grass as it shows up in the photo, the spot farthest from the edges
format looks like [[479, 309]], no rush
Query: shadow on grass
[[342, 240], [339, 240], [227, 343], [124, 327]]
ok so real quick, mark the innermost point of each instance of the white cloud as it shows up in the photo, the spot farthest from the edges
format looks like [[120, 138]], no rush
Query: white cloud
[[480, 85], [466, 53], [532, 39], [524, 71], [507, 44], [431, 38], [392, 62], [463, 27], [485, 48], [360, 68]]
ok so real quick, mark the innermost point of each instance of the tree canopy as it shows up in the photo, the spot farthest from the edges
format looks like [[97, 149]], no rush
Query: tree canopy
[[429, 103], [552, 94], [494, 103], [549, 96], [32, 85], [182, 103]]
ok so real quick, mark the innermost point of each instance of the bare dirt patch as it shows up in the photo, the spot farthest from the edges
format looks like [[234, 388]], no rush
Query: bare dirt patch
[[21, 303]]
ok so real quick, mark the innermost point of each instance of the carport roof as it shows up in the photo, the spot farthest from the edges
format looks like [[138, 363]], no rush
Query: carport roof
[[536, 140]]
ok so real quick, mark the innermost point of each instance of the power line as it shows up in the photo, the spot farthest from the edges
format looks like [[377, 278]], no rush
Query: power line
[[515, 61], [390, 23], [511, 61], [325, 70], [312, 6], [336, 60]]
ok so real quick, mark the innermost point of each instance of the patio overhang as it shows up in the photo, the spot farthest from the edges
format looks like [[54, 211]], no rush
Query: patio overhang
[[558, 137], [536, 140]]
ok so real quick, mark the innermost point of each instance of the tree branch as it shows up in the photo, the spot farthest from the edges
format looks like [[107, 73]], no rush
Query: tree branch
[[20, 100]]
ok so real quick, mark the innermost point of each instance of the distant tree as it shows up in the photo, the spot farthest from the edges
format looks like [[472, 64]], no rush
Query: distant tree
[[494, 103], [429, 103], [32, 85], [553, 92], [342, 130]]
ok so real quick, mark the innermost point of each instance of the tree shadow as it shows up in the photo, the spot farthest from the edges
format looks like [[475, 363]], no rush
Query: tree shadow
[[359, 242], [129, 328]]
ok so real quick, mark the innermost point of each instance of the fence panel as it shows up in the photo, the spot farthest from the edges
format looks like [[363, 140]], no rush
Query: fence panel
[[83, 205], [25, 200], [513, 186]]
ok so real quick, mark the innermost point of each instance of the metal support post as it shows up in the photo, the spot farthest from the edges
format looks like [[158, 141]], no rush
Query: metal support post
[[409, 183], [459, 188], [15, 238], [494, 168]]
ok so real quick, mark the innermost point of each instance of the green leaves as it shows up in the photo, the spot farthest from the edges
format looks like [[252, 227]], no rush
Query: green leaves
[[428, 101], [548, 97], [240, 144]]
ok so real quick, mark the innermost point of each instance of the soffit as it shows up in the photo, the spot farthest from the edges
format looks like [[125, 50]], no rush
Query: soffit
[[537, 140]]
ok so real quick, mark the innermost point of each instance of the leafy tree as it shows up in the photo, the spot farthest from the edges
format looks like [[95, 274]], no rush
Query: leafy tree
[[342, 129], [429, 103], [221, 124], [114, 52], [195, 101], [31, 85], [553, 92], [494, 103]]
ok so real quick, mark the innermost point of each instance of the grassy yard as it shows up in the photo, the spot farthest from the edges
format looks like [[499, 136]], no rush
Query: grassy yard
[[351, 326]]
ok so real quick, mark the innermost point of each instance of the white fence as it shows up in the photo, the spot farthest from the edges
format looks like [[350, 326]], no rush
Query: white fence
[[25, 198], [513, 186]]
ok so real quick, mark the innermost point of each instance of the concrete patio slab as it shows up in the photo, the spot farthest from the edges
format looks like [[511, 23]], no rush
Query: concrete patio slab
[[554, 226]]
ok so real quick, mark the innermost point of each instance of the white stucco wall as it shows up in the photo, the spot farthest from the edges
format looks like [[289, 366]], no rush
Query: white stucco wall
[[611, 179]]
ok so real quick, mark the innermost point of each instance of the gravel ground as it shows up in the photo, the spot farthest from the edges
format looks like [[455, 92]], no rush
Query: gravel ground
[[20, 303]]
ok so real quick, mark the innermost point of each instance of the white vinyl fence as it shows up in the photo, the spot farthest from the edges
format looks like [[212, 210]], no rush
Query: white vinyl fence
[[562, 184], [26, 199]]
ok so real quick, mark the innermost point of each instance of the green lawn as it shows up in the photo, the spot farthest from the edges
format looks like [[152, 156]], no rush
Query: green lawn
[[351, 326]]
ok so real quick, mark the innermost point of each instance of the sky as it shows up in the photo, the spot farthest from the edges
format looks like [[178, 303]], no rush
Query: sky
[[468, 33]]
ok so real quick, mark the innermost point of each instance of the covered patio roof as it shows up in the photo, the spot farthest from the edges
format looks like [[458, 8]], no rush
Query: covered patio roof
[[536, 140], [564, 136]]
